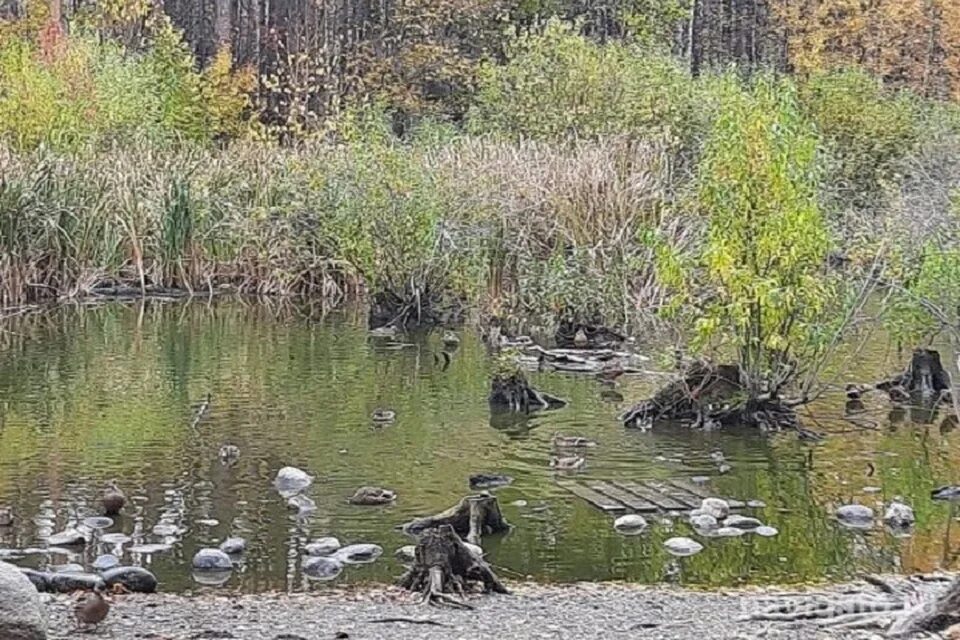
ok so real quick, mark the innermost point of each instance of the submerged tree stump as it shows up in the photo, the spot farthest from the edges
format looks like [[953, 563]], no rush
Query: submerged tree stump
[[514, 393], [709, 395], [925, 378], [472, 518], [444, 565]]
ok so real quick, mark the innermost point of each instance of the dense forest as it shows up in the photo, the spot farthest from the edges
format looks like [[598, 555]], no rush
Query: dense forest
[[750, 169]]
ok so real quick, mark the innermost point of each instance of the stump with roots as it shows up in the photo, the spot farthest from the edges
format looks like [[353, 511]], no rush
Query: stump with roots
[[709, 395], [925, 378], [514, 393], [472, 518], [444, 565]]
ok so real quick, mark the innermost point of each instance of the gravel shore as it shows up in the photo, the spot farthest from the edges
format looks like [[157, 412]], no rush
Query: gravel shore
[[580, 612]]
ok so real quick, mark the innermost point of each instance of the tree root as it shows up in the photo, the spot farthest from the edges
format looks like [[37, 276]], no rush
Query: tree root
[[472, 518], [902, 611]]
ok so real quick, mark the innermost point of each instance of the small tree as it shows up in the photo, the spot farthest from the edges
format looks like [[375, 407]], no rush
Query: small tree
[[759, 283]]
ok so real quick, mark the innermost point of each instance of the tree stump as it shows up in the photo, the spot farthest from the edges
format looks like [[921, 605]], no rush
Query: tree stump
[[472, 518], [514, 393], [443, 565], [708, 396], [924, 378]]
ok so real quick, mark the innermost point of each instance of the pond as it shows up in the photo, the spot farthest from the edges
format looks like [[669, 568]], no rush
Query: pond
[[109, 392]]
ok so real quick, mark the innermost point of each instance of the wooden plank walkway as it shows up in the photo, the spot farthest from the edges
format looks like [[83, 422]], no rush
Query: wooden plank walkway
[[598, 500], [627, 498], [647, 496]]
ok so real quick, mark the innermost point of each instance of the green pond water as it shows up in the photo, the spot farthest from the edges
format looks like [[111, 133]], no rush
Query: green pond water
[[91, 394]]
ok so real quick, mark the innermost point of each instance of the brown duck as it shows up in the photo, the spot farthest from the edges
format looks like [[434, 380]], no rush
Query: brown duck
[[113, 499], [91, 609]]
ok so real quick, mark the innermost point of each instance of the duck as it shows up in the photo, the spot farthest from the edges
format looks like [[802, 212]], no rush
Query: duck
[[571, 463], [580, 338], [6, 516], [113, 499], [384, 416], [451, 339], [855, 391], [229, 454], [92, 608], [571, 442], [372, 496]]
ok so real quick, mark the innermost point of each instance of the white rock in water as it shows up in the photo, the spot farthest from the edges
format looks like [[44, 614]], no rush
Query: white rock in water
[[899, 515], [291, 479], [301, 503], [703, 522], [631, 524], [358, 553], [855, 516], [67, 538], [321, 568], [683, 546], [765, 531], [742, 522], [322, 546], [233, 546], [212, 560], [715, 507], [728, 532]]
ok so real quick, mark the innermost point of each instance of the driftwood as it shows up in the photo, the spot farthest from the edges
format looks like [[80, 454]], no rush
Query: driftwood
[[472, 518], [444, 565], [709, 396], [932, 616], [514, 393]]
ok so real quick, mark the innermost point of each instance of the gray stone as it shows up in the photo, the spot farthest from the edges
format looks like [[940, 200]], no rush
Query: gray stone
[[703, 522], [855, 516], [22, 616], [682, 546], [715, 507], [728, 532], [322, 568], [742, 522], [291, 480], [106, 561], [899, 516], [233, 546], [358, 553], [135, 579], [632, 524], [212, 560], [67, 538], [322, 546], [766, 531]]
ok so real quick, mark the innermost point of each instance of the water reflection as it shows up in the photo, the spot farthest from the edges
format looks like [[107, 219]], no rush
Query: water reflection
[[92, 394]]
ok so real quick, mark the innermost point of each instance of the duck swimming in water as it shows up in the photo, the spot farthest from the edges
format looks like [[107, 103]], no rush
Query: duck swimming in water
[[113, 499], [229, 454], [384, 416], [571, 463]]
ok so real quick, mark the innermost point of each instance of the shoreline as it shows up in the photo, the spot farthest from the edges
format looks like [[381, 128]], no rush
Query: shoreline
[[574, 611]]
